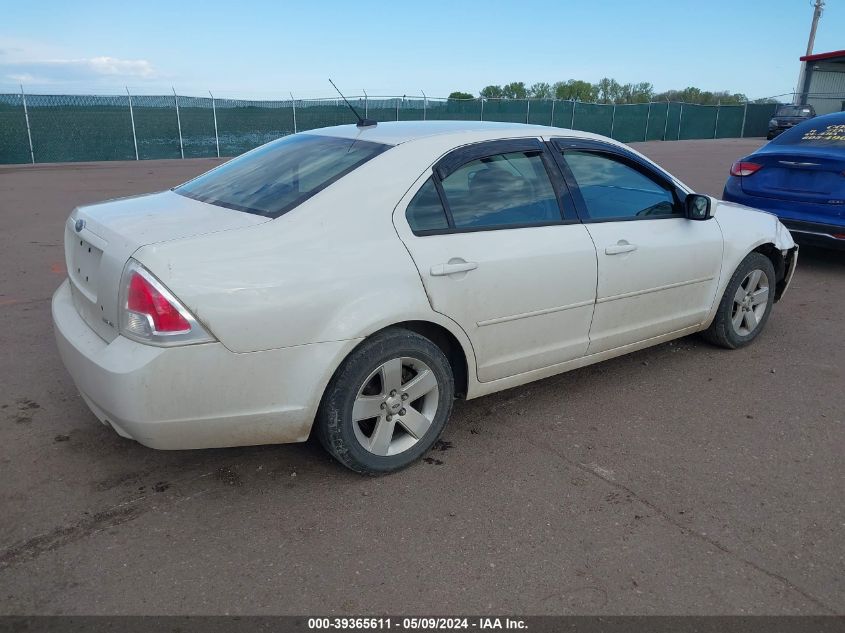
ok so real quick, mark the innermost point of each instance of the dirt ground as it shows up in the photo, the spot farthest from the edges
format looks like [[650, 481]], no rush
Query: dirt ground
[[682, 479]]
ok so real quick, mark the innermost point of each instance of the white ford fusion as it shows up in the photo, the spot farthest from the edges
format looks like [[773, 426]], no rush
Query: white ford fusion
[[357, 279]]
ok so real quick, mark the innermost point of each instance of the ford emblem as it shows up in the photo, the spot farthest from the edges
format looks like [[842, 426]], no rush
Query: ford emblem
[[80, 224]]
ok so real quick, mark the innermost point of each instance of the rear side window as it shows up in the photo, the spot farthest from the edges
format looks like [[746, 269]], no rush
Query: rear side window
[[500, 191], [425, 212], [276, 177]]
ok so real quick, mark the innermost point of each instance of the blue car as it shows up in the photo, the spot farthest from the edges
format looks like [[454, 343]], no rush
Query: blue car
[[799, 177]]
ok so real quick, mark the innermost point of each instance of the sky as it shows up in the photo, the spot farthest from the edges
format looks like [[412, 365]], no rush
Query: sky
[[265, 49]]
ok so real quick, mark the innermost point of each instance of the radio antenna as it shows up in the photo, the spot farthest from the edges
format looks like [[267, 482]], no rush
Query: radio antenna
[[362, 122]]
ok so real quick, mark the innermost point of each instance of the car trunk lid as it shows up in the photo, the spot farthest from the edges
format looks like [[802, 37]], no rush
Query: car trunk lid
[[799, 176], [100, 238]]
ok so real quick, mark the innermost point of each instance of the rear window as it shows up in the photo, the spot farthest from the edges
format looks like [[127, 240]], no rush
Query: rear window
[[280, 175], [812, 134]]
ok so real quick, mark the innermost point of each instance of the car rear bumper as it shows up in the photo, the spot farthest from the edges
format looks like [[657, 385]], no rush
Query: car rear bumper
[[194, 396], [815, 233], [809, 223]]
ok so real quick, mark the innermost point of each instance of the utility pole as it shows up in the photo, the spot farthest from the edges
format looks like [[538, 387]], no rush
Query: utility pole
[[818, 7], [817, 13]]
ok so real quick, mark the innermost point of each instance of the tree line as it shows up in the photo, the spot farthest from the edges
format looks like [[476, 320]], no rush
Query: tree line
[[606, 91]]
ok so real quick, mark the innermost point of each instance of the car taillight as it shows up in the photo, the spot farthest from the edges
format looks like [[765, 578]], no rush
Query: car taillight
[[151, 314], [145, 301], [743, 168]]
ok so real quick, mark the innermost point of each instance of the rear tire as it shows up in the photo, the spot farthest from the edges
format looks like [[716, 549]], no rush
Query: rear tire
[[387, 403], [746, 305]]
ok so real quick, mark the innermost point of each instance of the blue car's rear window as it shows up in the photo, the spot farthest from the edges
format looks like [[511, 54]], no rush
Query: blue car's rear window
[[813, 133], [280, 175]]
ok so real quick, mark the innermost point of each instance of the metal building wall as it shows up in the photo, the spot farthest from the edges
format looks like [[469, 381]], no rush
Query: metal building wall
[[826, 90]]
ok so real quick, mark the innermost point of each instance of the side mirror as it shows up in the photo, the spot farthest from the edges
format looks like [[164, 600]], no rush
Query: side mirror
[[697, 207]]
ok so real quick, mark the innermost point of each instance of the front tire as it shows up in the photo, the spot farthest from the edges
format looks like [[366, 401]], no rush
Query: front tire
[[387, 403], [746, 305]]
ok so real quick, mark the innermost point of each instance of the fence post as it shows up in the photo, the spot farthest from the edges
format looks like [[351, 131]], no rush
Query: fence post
[[132, 118], [744, 116], [666, 121], [527, 110], [366, 104], [178, 123], [397, 108], [425, 105], [680, 121], [293, 107], [716, 127], [572, 122], [552, 120], [28, 132], [214, 112], [647, 118], [482, 108], [612, 120]]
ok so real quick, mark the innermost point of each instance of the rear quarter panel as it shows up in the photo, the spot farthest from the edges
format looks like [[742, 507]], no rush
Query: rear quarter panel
[[332, 269]]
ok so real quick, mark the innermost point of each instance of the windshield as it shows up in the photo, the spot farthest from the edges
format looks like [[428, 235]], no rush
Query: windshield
[[276, 177], [793, 111], [814, 133]]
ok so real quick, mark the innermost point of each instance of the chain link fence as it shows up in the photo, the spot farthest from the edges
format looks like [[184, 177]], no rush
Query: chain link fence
[[65, 128]]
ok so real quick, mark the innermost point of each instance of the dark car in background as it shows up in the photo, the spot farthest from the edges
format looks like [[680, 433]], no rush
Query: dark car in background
[[788, 116], [799, 177]]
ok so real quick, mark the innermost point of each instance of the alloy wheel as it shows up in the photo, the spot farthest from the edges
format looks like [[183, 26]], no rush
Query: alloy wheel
[[395, 406], [751, 301]]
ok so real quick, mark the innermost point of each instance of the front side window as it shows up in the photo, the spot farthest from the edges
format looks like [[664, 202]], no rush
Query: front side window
[[276, 177], [504, 190], [612, 189]]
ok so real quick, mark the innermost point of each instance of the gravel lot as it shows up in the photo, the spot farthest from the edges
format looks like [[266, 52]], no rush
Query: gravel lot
[[682, 479]]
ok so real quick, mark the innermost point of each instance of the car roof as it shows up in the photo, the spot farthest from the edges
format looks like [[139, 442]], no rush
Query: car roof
[[834, 118], [397, 132]]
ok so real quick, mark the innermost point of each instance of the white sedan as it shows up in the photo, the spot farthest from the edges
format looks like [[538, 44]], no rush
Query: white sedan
[[357, 279]]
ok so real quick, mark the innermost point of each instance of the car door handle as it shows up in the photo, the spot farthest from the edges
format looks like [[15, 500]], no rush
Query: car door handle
[[454, 266], [622, 246]]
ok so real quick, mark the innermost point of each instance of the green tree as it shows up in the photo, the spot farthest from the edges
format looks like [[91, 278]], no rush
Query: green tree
[[725, 97], [625, 94], [460, 95], [540, 90], [575, 89], [515, 90], [491, 92], [691, 94], [642, 92], [609, 90]]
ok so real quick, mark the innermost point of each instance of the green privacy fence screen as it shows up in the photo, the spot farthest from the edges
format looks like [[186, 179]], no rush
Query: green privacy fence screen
[[62, 128]]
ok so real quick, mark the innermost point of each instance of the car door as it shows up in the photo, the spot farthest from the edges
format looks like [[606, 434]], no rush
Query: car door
[[499, 249], [657, 270]]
